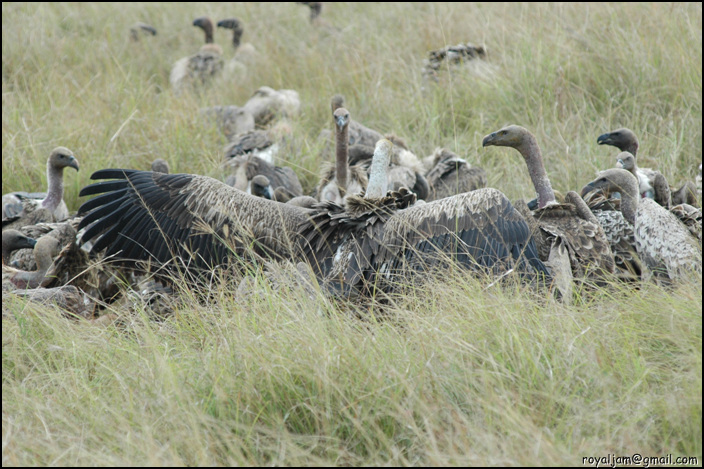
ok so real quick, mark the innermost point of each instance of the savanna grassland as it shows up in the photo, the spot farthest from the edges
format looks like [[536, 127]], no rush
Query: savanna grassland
[[453, 372]]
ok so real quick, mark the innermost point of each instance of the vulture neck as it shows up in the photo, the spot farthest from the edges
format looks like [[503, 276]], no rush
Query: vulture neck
[[341, 158], [534, 159], [378, 177], [55, 190]]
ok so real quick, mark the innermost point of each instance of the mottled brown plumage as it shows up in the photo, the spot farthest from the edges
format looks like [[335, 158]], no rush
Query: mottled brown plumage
[[44, 251], [452, 175], [13, 240]]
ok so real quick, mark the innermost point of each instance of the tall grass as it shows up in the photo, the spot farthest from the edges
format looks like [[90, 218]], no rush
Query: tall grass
[[452, 372]]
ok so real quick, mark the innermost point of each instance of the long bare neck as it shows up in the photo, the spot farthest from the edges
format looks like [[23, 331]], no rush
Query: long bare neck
[[378, 177], [341, 156], [534, 159], [208, 29], [55, 189]]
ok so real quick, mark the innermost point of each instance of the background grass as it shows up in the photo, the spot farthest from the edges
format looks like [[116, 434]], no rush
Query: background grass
[[457, 373]]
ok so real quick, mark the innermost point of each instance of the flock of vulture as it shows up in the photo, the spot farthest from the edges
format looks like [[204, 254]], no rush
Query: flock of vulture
[[379, 217]]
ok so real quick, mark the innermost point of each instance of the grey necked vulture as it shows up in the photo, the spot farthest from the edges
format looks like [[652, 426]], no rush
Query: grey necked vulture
[[339, 180], [625, 140], [17, 207], [13, 240], [380, 239], [559, 229], [663, 243], [44, 251], [200, 68]]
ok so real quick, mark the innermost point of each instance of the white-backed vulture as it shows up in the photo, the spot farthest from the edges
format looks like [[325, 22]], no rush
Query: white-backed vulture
[[652, 184], [380, 239], [675, 201], [357, 132], [663, 243], [200, 68], [450, 56], [17, 206], [569, 228], [44, 251], [245, 54], [199, 223], [266, 144], [452, 175], [13, 240], [340, 180], [64, 232], [266, 104], [245, 167], [625, 140]]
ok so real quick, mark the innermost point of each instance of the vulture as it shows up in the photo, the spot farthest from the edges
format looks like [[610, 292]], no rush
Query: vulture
[[246, 166], [567, 235], [452, 175], [199, 223], [652, 184], [451, 56], [18, 207], [64, 232], [13, 240], [44, 251], [625, 140], [675, 201], [405, 169], [261, 187], [341, 179], [141, 29], [245, 54], [266, 144], [200, 68], [619, 233], [267, 103], [381, 238], [664, 244], [357, 133]]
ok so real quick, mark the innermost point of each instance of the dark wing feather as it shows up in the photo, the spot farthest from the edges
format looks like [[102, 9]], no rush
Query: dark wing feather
[[156, 217]]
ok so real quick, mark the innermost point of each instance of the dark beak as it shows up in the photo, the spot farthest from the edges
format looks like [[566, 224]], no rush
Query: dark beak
[[488, 139], [604, 139]]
